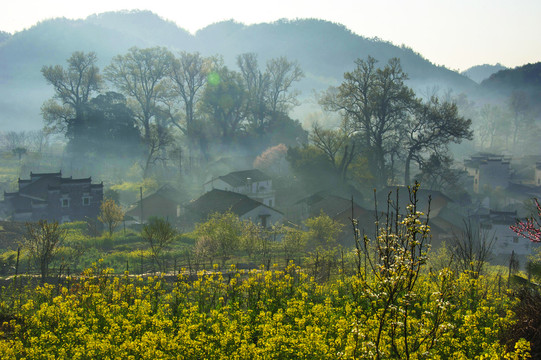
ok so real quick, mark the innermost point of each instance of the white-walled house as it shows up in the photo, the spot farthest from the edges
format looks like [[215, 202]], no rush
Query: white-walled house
[[488, 170], [495, 227], [253, 183]]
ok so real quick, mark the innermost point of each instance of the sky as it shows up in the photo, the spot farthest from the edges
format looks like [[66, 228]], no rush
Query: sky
[[455, 33]]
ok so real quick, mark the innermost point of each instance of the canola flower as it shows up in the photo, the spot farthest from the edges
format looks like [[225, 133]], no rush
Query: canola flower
[[274, 314]]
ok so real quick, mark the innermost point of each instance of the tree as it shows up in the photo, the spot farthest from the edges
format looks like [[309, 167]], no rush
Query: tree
[[492, 125], [219, 236], [143, 76], [73, 88], [189, 74], [388, 269], [337, 145], [472, 248], [322, 236], [294, 242], [43, 240], [111, 214], [312, 166], [437, 173], [282, 73], [323, 231], [257, 88], [272, 160], [258, 240], [269, 93], [224, 103], [14, 139], [373, 103], [432, 126], [111, 127], [19, 151], [159, 234], [519, 106], [530, 228]]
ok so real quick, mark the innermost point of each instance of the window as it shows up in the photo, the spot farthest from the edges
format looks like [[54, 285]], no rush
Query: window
[[65, 202], [86, 201]]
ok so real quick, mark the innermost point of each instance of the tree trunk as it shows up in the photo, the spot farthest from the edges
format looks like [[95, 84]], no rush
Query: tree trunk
[[407, 170]]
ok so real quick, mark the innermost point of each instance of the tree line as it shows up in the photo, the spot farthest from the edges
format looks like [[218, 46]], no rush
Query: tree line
[[385, 129], [189, 106], [161, 97]]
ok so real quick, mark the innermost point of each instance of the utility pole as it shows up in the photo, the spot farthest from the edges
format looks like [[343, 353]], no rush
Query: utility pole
[[141, 202]]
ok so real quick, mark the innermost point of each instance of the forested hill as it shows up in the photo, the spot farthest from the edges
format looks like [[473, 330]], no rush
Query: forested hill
[[523, 80], [479, 73], [527, 76], [324, 51], [4, 36]]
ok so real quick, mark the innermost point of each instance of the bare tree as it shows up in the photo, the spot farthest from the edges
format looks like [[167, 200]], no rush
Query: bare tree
[[159, 234], [337, 145], [143, 76], [432, 126], [73, 88], [472, 248], [189, 73], [374, 103], [42, 241], [282, 73]]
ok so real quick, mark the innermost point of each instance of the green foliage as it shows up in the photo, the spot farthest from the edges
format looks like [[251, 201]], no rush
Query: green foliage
[[159, 233], [42, 241], [219, 236], [275, 314], [111, 214], [322, 232]]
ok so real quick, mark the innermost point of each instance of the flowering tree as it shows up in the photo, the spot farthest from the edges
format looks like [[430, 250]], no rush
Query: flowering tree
[[110, 214], [530, 228]]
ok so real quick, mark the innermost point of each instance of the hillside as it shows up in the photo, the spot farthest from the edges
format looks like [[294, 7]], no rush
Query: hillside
[[324, 50], [527, 76], [4, 36], [482, 72], [525, 79]]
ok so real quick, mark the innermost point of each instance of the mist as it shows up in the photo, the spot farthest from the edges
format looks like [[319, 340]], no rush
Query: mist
[[267, 96]]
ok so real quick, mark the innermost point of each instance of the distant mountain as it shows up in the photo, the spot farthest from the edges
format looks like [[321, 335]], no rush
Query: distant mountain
[[323, 49], [526, 79], [526, 76], [481, 72], [145, 26], [4, 36]]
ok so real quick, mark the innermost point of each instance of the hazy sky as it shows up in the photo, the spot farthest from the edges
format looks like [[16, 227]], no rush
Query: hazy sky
[[454, 33]]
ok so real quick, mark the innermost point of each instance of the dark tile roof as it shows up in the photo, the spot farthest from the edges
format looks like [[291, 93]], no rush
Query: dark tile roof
[[70, 180], [222, 201], [169, 192], [239, 178], [56, 174], [423, 196], [344, 193], [40, 187], [331, 205], [36, 189]]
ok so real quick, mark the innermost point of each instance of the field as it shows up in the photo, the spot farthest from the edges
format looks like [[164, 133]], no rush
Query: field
[[388, 299]]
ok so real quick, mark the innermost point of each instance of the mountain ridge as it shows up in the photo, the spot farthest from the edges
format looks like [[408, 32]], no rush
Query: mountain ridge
[[324, 50]]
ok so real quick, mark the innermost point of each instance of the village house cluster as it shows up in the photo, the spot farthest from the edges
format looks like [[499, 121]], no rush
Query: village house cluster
[[498, 187]]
